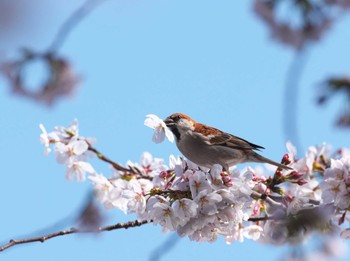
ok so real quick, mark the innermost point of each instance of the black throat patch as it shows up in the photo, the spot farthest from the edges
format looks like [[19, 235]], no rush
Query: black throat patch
[[176, 132]]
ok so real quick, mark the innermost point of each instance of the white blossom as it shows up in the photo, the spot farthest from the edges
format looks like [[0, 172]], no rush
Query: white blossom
[[116, 198], [65, 133], [102, 186], [199, 182], [160, 129], [68, 153], [77, 170], [252, 232], [164, 215], [47, 138], [151, 166], [207, 202], [215, 176], [185, 209], [134, 195]]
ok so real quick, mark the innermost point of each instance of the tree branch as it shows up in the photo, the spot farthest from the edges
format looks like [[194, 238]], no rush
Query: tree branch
[[105, 159], [291, 98], [257, 219], [73, 230], [72, 22], [268, 199], [128, 170]]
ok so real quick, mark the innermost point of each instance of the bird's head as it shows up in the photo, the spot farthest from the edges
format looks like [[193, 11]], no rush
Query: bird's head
[[179, 123]]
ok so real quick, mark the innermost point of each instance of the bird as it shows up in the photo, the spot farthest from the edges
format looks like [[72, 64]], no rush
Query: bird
[[205, 145]]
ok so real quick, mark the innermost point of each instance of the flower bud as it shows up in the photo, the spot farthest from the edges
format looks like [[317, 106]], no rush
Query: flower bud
[[294, 175], [285, 159]]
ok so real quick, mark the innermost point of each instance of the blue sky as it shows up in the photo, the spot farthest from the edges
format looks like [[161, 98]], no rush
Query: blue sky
[[213, 61]]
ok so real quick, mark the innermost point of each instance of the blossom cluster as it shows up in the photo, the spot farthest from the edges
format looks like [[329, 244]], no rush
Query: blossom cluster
[[275, 206], [71, 150], [296, 23], [62, 80]]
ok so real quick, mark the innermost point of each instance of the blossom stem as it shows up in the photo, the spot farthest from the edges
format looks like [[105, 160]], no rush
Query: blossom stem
[[256, 195], [114, 164], [256, 219]]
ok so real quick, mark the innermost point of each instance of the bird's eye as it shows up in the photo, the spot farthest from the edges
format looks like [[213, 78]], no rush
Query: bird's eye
[[176, 118]]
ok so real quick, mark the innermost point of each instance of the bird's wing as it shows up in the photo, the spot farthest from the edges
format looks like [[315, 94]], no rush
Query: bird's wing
[[226, 139], [218, 137]]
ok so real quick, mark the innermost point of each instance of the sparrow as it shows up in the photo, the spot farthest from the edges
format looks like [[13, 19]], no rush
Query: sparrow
[[206, 146]]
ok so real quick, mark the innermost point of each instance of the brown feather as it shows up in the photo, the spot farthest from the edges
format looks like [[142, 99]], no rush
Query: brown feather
[[234, 142], [218, 137], [206, 130]]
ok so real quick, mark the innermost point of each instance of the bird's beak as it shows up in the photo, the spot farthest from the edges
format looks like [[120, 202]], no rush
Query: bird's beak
[[169, 122]]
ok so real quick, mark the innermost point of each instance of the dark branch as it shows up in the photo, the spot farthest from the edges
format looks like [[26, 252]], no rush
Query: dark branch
[[164, 248], [72, 22], [256, 219], [129, 170], [114, 164], [127, 225], [73, 230]]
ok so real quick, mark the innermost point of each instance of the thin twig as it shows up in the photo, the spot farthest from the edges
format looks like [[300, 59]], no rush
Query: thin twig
[[256, 219], [114, 164], [268, 199], [71, 23], [129, 170], [73, 230], [127, 225]]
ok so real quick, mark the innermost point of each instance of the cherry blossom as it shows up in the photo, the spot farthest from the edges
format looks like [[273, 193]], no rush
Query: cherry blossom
[[77, 170], [68, 153], [161, 130], [47, 138], [261, 204]]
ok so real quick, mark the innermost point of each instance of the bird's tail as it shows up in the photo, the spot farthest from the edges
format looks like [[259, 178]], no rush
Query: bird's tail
[[261, 159]]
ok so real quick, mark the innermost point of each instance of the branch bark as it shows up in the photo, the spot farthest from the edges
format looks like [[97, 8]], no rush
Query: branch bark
[[72, 230]]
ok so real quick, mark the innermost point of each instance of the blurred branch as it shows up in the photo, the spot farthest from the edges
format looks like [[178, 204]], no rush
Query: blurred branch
[[73, 230], [71, 23], [62, 80], [61, 77], [333, 86], [164, 248], [291, 96]]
